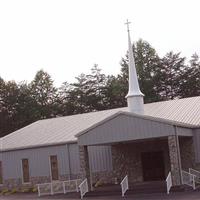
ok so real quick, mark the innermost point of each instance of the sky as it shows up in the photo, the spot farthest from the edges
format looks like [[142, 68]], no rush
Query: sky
[[67, 37]]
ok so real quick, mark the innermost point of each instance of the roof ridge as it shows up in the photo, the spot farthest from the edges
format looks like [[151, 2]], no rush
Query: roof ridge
[[66, 127]]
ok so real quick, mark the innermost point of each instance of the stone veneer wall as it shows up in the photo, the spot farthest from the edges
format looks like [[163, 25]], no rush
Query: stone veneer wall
[[84, 163], [127, 158], [187, 153], [104, 177], [17, 182], [175, 159]]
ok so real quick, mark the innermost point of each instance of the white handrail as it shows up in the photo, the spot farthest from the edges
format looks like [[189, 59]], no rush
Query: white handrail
[[188, 179], [196, 174], [83, 188], [124, 185], [169, 182]]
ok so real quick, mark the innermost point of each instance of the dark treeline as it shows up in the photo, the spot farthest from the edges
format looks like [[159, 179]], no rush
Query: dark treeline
[[160, 79]]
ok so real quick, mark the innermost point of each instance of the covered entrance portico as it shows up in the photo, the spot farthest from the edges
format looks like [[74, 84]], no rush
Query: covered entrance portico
[[144, 148], [146, 160]]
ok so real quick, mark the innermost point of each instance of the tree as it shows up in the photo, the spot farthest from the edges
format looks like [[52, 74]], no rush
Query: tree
[[44, 93], [169, 76], [115, 92], [190, 79], [4, 113], [95, 83], [25, 108], [86, 94], [146, 60], [66, 100], [9, 93], [22, 104]]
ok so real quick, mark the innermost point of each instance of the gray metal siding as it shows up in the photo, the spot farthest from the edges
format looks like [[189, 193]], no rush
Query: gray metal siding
[[38, 161], [100, 158], [125, 128], [74, 158], [197, 145]]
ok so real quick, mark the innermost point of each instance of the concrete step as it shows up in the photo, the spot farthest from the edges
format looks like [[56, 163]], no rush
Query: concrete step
[[109, 190], [148, 187], [105, 193], [144, 188]]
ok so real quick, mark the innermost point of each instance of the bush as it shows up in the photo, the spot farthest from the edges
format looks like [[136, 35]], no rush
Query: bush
[[5, 191]]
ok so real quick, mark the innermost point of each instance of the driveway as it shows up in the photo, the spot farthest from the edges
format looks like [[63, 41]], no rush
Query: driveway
[[194, 195]]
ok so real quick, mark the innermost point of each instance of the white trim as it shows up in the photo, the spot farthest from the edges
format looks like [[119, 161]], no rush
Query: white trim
[[39, 146], [50, 168], [22, 176]]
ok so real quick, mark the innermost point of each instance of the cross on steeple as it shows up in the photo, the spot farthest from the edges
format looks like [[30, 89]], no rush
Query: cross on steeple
[[127, 23]]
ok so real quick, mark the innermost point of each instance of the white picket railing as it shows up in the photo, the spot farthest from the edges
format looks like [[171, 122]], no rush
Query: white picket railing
[[196, 174], [83, 187], [58, 187], [188, 179], [169, 182], [44, 189], [124, 185], [71, 185]]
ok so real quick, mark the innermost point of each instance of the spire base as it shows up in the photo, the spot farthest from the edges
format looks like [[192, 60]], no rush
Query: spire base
[[136, 104]]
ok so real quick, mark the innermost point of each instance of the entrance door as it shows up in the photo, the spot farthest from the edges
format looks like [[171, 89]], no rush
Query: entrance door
[[25, 170], [153, 166], [54, 167]]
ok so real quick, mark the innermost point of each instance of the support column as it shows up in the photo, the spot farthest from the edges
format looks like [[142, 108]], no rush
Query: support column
[[84, 164], [175, 162]]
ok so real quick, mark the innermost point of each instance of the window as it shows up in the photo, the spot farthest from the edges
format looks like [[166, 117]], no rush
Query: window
[[25, 170], [1, 173], [54, 167]]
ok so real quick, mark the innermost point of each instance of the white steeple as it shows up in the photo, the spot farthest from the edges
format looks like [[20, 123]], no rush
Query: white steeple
[[135, 96]]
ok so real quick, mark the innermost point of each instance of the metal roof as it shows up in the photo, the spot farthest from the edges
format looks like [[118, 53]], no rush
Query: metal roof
[[62, 130]]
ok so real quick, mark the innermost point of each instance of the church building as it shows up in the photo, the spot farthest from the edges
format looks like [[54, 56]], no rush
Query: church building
[[143, 141]]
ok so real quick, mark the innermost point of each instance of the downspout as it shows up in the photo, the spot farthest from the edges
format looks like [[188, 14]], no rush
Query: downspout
[[90, 168], [179, 155]]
